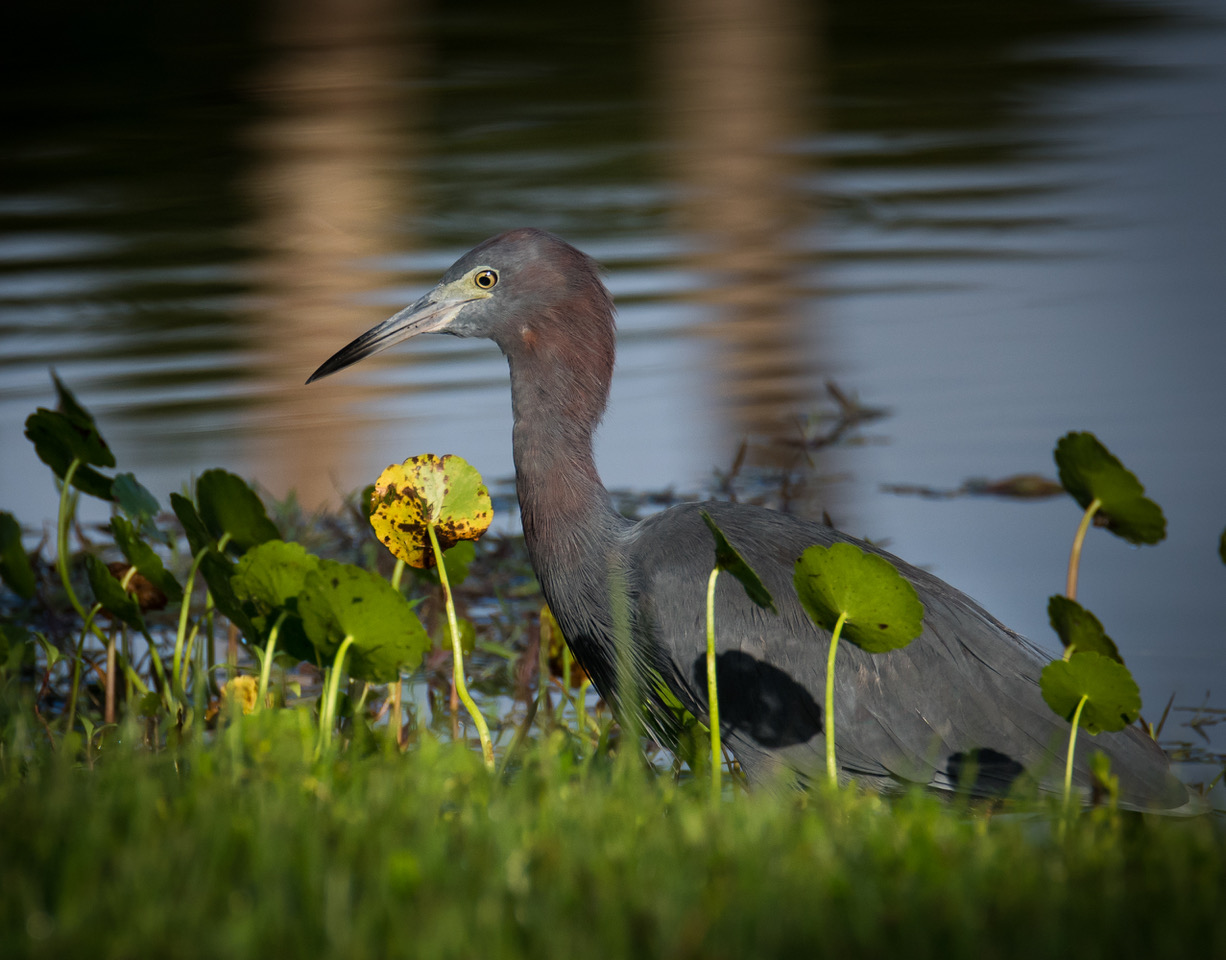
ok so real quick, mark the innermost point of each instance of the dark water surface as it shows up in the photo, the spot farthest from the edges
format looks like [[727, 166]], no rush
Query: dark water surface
[[999, 225]]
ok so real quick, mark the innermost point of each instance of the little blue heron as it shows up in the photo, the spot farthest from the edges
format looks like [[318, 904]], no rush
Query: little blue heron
[[958, 706]]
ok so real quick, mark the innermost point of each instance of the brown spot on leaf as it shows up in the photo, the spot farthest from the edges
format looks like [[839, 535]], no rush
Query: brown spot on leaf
[[147, 595]]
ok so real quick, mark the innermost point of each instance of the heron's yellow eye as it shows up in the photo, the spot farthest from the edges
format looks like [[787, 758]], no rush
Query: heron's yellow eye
[[486, 279]]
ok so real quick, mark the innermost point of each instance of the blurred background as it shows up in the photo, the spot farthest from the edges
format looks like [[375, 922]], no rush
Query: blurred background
[[995, 222]]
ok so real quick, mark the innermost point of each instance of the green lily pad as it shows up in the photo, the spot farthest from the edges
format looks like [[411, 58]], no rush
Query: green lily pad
[[218, 572], [54, 439], [1078, 628], [443, 492], [728, 558], [139, 505], [229, 505], [268, 581], [110, 593], [146, 561], [87, 443], [883, 610], [1089, 471], [215, 569], [69, 433], [340, 600], [15, 569], [198, 536], [273, 573], [1114, 700]]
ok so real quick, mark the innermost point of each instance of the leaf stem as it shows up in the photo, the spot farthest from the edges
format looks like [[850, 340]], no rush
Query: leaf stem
[[831, 768], [396, 721], [328, 711], [187, 658], [457, 653], [712, 692], [396, 688], [1072, 744], [270, 651], [1074, 559], [76, 668], [61, 536], [108, 714], [184, 610]]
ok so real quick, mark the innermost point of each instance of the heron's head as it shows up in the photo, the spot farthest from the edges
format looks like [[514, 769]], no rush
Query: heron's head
[[525, 289]]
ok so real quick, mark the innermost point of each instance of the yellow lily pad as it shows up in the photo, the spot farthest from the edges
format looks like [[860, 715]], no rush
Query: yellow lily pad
[[428, 490]]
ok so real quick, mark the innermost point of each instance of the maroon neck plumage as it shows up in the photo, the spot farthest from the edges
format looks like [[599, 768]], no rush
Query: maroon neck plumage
[[561, 360]]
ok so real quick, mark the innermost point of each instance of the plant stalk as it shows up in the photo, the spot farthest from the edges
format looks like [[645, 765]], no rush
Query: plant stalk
[[397, 687], [76, 668], [457, 654], [61, 536], [1072, 744], [831, 768], [270, 651], [1074, 560], [328, 711], [712, 692], [108, 715], [184, 610]]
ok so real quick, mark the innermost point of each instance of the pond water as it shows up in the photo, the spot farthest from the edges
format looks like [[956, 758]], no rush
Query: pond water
[[998, 226]]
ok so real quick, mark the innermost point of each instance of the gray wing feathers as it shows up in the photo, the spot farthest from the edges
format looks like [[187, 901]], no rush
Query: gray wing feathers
[[962, 699]]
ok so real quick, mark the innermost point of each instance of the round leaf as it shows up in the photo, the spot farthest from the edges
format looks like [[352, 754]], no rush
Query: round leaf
[[69, 433], [58, 442], [1089, 472], [268, 581], [198, 536], [272, 573], [340, 600], [217, 571], [228, 505], [140, 506], [444, 492], [1078, 628], [883, 610], [1114, 701], [215, 568]]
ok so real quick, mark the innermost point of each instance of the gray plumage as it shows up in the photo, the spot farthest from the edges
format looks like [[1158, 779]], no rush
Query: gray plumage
[[960, 703]]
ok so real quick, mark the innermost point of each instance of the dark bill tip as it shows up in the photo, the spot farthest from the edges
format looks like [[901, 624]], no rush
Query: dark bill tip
[[427, 315]]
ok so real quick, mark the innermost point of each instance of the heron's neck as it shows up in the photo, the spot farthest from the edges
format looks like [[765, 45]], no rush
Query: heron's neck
[[568, 518], [573, 534]]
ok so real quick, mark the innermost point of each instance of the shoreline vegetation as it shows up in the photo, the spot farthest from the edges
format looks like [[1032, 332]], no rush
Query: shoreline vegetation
[[204, 751]]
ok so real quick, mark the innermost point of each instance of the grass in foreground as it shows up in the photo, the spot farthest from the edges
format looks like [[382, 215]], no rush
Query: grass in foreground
[[248, 847]]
